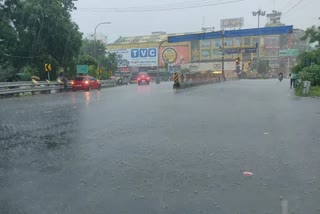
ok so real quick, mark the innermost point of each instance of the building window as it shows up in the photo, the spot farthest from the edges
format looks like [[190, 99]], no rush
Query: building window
[[247, 41], [237, 42], [206, 54], [271, 41], [255, 40], [229, 42], [217, 43], [206, 43]]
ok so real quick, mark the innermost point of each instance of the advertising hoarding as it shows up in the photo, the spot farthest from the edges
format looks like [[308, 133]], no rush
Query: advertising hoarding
[[136, 57], [232, 23], [180, 54]]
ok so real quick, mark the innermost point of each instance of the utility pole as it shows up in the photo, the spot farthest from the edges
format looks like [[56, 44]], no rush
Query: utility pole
[[258, 13], [95, 37], [158, 78], [222, 54]]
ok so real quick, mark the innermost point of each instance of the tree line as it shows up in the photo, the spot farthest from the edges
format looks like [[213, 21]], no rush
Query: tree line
[[35, 32]]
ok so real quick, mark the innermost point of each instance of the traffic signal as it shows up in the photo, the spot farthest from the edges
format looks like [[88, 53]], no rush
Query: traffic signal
[[237, 61], [100, 71], [110, 73], [220, 49]]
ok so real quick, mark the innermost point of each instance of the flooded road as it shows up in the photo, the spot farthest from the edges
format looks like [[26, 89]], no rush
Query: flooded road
[[148, 149]]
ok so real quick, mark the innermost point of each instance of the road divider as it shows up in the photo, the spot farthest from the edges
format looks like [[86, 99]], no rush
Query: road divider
[[194, 83], [176, 83]]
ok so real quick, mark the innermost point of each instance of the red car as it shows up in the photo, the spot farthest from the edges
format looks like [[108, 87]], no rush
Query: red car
[[85, 83], [143, 78]]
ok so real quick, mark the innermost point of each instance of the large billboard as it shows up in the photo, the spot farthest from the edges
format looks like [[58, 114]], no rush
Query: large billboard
[[231, 23], [136, 57], [175, 55]]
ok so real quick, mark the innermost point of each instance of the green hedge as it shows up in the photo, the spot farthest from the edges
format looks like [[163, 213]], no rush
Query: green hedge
[[310, 73]]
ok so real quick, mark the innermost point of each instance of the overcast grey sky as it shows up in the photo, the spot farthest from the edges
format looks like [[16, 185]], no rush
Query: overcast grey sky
[[304, 14]]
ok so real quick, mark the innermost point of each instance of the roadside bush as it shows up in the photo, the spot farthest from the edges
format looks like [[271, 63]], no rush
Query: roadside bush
[[311, 73]]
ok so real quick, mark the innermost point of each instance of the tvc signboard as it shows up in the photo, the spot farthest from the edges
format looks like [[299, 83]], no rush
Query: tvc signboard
[[137, 57], [144, 53]]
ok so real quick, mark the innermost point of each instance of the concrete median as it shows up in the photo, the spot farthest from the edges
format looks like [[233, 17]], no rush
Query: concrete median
[[189, 84]]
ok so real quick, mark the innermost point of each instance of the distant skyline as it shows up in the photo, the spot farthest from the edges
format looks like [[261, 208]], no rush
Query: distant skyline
[[299, 13]]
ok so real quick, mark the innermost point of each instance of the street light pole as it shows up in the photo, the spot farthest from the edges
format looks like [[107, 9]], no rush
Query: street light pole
[[158, 78], [258, 13], [95, 36], [222, 54]]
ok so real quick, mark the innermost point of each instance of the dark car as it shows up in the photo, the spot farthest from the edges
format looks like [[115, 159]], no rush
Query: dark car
[[85, 83], [122, 81], [143, 78]]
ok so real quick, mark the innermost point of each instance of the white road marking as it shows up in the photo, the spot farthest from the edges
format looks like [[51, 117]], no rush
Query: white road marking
[[284, 206]]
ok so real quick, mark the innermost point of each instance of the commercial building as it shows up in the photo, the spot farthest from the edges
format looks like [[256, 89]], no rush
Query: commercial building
[[141, 53]]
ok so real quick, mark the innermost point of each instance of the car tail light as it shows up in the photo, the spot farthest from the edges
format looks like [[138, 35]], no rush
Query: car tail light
[[72, 82], [138, 79], [86, 82]]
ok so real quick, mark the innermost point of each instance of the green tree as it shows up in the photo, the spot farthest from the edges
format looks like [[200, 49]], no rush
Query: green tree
[[87, 60], [110, 63], [308, 67], [313, 35], [42, 33], [94, 49]]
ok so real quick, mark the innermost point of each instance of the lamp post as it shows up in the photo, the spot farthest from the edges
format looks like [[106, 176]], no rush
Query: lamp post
[[222, 53], [95, 36], [158, 78], [258, 13]]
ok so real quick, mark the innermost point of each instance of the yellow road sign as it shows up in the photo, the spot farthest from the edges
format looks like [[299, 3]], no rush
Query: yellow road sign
[[47, 67]]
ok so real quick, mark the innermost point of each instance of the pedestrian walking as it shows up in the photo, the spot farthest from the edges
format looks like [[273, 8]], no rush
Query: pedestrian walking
[[293, 78]]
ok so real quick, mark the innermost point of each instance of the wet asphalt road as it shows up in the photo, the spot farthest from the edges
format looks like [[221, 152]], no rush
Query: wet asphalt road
[[150, 150]]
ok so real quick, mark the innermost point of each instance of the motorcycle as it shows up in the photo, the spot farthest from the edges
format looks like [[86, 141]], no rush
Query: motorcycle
[[280, 78]]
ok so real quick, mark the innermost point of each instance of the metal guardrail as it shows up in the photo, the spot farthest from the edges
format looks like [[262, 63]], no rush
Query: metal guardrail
[[23, 87], [7, 88], [108, 83]]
